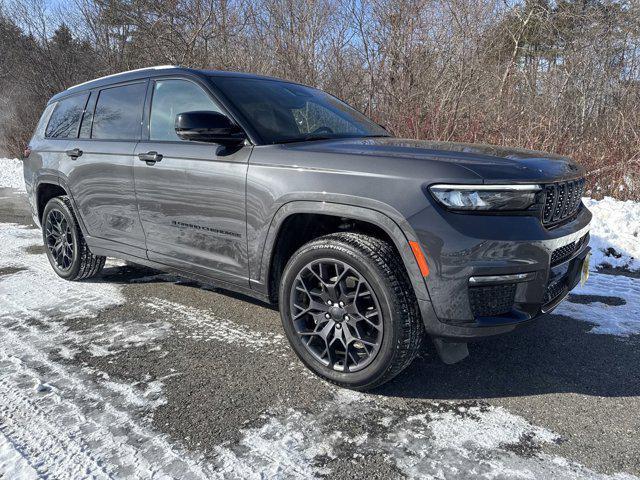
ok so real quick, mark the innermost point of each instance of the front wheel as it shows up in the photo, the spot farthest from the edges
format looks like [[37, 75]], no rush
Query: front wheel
[[349, 311]]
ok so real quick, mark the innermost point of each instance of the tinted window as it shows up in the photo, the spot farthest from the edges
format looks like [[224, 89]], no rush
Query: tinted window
[[66, 117], [171, 97], [119, 112], [87, 118], [287, 112], [44, 120]]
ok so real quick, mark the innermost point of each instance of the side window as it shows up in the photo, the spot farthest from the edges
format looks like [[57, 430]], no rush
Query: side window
[[87, 118], [66, 117], [171, 97], [44, 120], [118, 112]]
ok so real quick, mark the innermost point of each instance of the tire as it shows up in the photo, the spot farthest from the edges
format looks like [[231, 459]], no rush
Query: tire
[[77, 262], [360, 263]]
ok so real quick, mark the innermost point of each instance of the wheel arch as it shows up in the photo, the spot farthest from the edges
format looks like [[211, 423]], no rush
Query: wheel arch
[[49, 187], [379, 223], [45, 191]]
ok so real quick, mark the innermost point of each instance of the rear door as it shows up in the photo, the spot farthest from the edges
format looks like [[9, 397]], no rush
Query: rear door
[[99, 167], [192, 198]]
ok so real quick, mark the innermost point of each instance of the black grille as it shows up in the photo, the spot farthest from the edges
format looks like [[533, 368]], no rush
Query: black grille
[[492, 300], [562, 254], [554, 290], [562, 200]]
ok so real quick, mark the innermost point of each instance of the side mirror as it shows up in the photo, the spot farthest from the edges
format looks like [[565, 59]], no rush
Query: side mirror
[[208, 126]]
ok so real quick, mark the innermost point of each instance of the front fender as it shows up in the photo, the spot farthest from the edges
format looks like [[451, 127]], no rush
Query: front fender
[[400, 236]]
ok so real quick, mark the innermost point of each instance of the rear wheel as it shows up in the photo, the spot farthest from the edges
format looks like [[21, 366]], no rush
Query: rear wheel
[[66, 248], [349, 310]]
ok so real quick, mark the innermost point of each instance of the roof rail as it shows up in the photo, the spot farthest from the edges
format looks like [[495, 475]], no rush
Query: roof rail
[[158, 67]]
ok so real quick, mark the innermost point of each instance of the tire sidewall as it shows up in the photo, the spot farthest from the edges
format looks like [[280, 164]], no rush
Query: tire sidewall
[[336, 250], [61, 206]]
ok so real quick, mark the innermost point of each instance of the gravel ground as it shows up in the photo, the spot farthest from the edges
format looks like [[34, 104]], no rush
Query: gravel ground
[[206, 376]]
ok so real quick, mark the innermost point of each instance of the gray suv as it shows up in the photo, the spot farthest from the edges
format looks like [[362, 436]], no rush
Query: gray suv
[[368, 243]]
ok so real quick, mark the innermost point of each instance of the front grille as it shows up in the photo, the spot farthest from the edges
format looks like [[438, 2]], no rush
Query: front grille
[[562, 200], [562, 254], [492, 300]]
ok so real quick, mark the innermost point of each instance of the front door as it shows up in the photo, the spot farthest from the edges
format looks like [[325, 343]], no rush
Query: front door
[[191, 196]]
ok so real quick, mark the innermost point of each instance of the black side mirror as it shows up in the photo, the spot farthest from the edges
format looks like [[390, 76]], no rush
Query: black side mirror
[[208, 126]]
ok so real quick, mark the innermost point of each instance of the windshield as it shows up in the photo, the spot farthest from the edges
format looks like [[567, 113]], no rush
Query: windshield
[[284, 112]]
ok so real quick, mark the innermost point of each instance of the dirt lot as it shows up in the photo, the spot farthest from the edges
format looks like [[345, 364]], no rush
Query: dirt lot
[[139, 373]]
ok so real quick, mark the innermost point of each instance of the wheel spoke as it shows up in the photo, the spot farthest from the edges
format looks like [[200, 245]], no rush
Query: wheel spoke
[[325, 304], [59, 239]]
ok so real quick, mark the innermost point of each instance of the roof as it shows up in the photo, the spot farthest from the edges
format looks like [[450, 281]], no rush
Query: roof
[[149, 72]]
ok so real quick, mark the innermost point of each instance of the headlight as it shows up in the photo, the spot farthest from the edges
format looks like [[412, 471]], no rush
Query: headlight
[[485, 197]]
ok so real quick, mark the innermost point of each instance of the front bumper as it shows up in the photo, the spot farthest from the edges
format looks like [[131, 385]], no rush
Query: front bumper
[[462, 246]]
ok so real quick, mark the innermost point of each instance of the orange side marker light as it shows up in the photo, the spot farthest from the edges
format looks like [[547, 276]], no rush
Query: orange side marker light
[[422, 262]]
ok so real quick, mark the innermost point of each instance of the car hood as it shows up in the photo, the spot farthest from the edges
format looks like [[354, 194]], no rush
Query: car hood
[[489, 162]]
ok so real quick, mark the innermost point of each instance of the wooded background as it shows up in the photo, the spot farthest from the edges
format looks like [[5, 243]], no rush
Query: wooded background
[[558, 76]]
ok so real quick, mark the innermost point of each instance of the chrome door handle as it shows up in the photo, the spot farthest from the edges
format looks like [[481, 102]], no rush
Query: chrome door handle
[[74, 153], [150, 157]]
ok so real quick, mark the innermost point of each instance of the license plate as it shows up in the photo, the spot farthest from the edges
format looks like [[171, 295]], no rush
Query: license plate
[[584, 270]]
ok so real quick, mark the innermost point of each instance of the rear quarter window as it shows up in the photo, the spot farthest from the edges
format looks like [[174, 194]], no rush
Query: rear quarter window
[[44, 120], [66, 116], [118, 112]]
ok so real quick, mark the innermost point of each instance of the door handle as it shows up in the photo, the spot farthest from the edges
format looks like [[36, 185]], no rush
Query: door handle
[[74, 153], [150, 157]]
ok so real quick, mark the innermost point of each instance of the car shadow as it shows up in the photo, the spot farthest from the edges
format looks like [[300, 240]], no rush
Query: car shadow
[[131, 274], [555, 355]]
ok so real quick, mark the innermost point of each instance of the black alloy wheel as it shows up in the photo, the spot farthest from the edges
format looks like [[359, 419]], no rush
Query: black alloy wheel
[[337, 315], [59, 239]]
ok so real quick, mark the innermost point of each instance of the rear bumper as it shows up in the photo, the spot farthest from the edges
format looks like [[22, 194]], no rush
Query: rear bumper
[[521, 270]]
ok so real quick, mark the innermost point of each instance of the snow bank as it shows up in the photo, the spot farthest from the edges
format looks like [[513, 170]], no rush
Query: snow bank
[[615, 232], [11, 173]]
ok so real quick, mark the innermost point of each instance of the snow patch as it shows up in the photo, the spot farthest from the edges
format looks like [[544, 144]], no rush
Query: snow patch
[[622, 320], [439, 440], [205, 326], [11, 173], [36, 291], [281, 448], [71, 421], [12, 464]]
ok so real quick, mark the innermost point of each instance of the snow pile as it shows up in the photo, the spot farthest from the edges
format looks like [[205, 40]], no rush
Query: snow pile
[[615, 232], [11, 173]]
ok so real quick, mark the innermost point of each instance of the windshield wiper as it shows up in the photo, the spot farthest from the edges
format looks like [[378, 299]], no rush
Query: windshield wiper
[[308, 138]]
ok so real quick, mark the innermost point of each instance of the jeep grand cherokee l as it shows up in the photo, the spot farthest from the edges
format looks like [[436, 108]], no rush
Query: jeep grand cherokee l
[[368, 243]]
